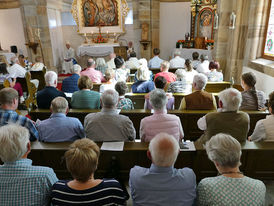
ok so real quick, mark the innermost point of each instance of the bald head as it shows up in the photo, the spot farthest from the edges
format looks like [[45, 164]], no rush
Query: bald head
[[164, 149]]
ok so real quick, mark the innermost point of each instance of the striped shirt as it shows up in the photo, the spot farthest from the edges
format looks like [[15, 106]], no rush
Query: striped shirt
[[10, 116], [108, 192], [24, 184]]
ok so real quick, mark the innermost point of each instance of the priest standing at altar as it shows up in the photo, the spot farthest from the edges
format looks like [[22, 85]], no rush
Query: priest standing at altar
[[68, 59]]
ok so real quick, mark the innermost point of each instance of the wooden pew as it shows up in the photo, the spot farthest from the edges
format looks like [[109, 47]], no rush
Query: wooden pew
[[188, 118], [256, 161], [40, 75], [216, 87]]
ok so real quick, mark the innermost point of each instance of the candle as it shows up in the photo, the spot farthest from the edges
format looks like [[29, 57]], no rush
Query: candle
[[85, 34]]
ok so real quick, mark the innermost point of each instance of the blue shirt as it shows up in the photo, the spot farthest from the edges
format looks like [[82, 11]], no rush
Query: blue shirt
[[162, 186], [59, 128], [70, 84], [46, 95], [155, 62], [24, 184], [10, 116], [142, 87]]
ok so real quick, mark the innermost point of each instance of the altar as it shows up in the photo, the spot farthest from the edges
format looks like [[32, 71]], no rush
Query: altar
[[96, 50], [187, 53]]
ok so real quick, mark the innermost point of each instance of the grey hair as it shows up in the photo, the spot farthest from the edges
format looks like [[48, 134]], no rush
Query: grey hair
[[225, 150], [158, 99], [177, 52], [231, 99], [200, 80], [13, 142], [164, 149], [100, 62], [59, 105], [143, 73], [51, 78], [110, 98], [76, 68], [165, 65], [180, 74]]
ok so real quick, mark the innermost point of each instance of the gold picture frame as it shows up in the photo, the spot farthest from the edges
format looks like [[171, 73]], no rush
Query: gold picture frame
[[120, 8]]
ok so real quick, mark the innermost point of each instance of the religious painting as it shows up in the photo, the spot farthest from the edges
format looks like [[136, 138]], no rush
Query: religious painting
[[106, 15], [100, 13], [205, 23]]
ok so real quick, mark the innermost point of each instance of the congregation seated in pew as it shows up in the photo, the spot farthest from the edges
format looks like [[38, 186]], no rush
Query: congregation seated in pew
[[20, 182], [231, 187], [195, 60], [203, 66], [121, 72], [59, 127], [162, 184], [85, 98], [108, 125], [95, 75], [264, 129], [82, 159], [199, 99], [132, 62], [70, 84], [189, 71], [169, 76], [101, 65], [180, 85], [177, 61], [156, 61], [123, 103], [228, 119], [160, 121], [215, 75], [109, 81]]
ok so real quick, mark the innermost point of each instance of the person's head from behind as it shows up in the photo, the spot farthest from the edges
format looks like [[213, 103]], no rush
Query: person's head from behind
[[76, 69], [203, 57], [109, 99], [271, 103], [100, 62], [109, 74], [3, 68], [59, 105], [143, 73], [214, 65], [180, 75], [177, 53], [38, 59], [82, 159], [165, 66], [156, 51], [248, 81], [195, 56], [230, 100], [158, 99], [51, 79], [121, 88], [199, 81], [188, 65], [224, 151], [163, 150], [14, 142], [9, 98], [132, 54], [90, 63], [160, 82], [119, 62], [84, 82]]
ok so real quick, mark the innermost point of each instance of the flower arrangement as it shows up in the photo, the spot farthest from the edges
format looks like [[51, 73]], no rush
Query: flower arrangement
[[184, 44], [180, 42], [100, 39]]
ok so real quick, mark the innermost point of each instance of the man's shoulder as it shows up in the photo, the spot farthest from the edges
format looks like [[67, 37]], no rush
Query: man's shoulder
[[137, 171], [41, 171]]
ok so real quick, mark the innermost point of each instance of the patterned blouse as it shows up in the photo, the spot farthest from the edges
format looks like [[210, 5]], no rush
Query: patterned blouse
[[125, 103], [215, 76], [223, 190]]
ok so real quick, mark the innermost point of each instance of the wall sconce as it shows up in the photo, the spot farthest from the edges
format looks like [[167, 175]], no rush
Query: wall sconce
[[216, 21], [232, 20]]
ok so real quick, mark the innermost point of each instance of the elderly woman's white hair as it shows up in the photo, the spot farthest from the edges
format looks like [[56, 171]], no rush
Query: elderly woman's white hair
[[164, 149], [13, 142], [200, 80], [231, 99], [51, 78], [100, 62], [158, 99], [177, 52], [180, 74], [59, 105], [76, 68], [110, 98], [224, 150], [143, 73]]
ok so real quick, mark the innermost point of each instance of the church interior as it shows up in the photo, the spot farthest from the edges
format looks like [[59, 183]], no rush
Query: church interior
[[237, 34]]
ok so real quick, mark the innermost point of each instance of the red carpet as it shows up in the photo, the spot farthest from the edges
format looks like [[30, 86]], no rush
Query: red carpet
[[61, 77]]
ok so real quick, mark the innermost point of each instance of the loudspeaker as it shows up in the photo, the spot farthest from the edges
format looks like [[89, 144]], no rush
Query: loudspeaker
[[13, 49]]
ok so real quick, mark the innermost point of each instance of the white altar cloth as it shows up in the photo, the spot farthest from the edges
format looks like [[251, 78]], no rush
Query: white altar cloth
[[96, 50], [8, 56], [187, 53]]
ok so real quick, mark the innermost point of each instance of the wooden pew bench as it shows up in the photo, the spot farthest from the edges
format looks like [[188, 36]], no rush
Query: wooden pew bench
[[256, 159], [188, 118]]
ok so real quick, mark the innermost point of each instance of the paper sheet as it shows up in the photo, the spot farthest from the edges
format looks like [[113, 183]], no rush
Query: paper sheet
[[187, 146], [113, 146]]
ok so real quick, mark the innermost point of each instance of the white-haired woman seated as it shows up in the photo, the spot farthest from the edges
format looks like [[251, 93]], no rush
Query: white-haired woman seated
[[143, 79], [101, 65], [231, 187], [82, 160], [160, 121], [180, 85]]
